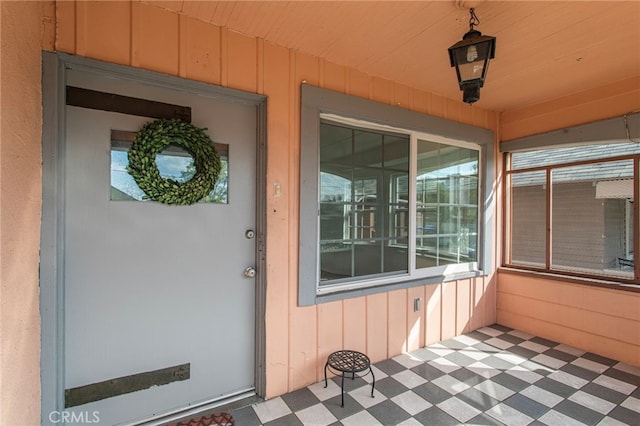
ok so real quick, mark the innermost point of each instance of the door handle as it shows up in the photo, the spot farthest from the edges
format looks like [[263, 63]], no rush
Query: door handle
[[250, 272]]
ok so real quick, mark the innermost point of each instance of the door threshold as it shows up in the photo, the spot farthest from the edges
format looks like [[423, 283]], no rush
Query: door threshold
[[226, 405]]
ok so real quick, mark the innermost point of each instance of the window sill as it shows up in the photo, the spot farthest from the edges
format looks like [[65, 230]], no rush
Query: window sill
[[593, 282], [339, 294]]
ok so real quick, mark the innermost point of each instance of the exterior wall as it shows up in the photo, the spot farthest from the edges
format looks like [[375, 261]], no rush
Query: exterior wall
[[595, 104], [595, 319], [20, 195], [298, 339]]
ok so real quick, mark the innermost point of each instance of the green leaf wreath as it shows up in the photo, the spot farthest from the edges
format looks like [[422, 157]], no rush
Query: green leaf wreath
[[152, 140]]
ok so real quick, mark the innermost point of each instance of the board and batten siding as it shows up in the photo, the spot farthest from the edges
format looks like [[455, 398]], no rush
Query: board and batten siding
[[602, 320], [140, 35], [298, 339]]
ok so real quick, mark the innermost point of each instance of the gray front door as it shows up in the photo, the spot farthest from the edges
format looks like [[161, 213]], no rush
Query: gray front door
[[149, 286]]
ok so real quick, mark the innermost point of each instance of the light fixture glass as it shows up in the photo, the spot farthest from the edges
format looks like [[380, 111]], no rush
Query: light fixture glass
[[471, 57]]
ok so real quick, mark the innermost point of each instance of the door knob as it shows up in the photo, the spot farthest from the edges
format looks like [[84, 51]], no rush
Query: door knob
[[249, 233], [250, 272]]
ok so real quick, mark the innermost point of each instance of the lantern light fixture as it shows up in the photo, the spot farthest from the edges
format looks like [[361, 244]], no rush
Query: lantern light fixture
[[471, 57]]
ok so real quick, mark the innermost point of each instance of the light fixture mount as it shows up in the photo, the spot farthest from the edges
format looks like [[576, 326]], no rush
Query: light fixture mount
[[471, 57]]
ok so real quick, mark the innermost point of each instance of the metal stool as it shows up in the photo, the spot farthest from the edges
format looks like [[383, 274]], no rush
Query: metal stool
[[349, 362]]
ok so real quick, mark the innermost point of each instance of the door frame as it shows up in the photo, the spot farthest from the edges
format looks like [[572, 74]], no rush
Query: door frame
[[54, 69]]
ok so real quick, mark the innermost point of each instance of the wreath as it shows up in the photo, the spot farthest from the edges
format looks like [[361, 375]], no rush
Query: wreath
[[154, 137]]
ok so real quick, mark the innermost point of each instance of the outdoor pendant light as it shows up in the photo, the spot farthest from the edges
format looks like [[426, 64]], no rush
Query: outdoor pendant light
[[471, 57]]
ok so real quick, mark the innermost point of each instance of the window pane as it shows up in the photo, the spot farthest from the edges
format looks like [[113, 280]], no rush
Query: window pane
[[173, 163], [591, 220], [447, 205], [528, 219], [363, 202], [367, 148]]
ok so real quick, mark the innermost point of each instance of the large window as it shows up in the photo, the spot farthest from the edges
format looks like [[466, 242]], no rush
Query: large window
[[446, 204], [388, 198], [364, 196], [571, 210]]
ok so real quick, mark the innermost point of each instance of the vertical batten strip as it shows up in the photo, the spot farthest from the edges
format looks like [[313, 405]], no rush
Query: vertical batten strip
[[135, 29], [81, 28], [397, 314], [183, 46], [131, 12], [303, 319], [48, 42], [277, 86], [260, 66], [94, 20], [66, 27], [449, 306], [224, 57]]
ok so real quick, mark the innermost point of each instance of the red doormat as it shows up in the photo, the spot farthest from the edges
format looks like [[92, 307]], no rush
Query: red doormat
[[215, 419]]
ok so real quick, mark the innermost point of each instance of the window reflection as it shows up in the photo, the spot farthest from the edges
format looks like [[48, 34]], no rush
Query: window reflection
[[363, 202], [447, 205], [173, 163], [583, 222]]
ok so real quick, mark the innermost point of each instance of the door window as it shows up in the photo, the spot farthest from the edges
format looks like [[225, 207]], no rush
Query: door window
[[173, 163]]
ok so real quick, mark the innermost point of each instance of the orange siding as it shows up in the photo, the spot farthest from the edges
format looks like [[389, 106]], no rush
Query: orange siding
[[415, 320], [595, 319], [65, 24], [199, 51], [241, 62], [377, 329], [463, 306], [154, 39], [397, 317], [94, 20], [600, 320], [303, 321], [355, 324], [359, 84], [334, 76], [329, 332], [276, 80], [433, 313], [596, 104], [448, 314], [477, 304], [298, 339]]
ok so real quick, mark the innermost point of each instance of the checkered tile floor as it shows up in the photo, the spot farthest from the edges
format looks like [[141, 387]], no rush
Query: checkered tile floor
[[491, 376]]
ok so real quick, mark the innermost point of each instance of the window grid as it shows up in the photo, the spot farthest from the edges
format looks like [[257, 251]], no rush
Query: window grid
[[359, 160], [628, 269], [377, 208]]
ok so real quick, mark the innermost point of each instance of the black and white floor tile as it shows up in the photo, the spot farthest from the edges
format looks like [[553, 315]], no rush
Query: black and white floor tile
[[491, 376]]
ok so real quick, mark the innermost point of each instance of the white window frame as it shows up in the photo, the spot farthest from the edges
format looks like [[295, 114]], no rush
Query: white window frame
[[321, 104]]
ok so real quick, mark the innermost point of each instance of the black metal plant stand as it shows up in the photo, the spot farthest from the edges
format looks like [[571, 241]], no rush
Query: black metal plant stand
[[346, 362]]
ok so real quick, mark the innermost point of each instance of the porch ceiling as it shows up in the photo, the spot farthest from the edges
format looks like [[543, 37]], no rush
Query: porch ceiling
[[545, 49]]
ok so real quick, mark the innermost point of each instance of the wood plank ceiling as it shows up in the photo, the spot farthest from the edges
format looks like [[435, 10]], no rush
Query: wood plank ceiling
[[545, 49]]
